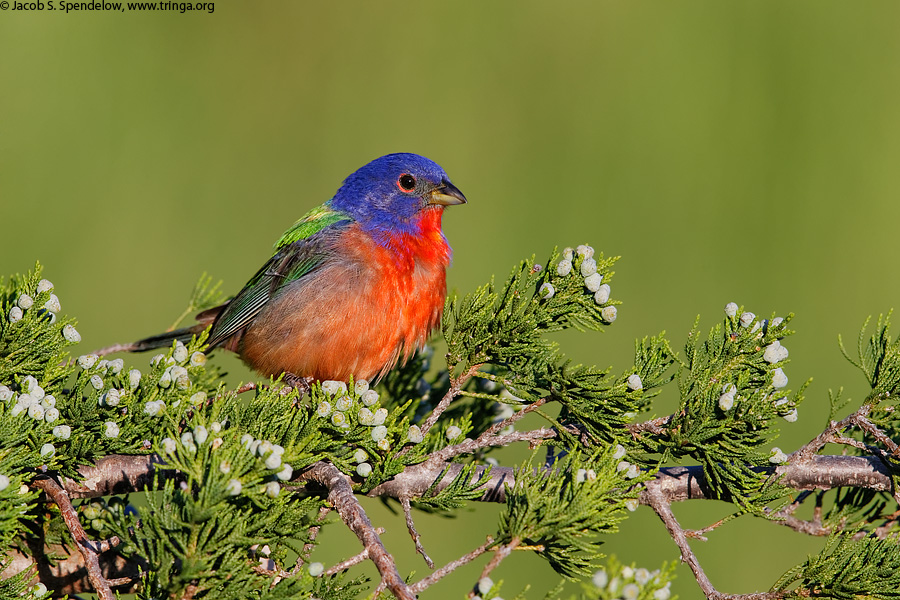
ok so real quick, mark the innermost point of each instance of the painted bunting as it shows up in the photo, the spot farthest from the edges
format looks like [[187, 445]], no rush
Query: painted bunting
[[354, 286]]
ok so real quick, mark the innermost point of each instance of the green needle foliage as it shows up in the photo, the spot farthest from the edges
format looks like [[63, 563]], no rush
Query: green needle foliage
[[505, 327], [206, 294], [464, 486], [878, 357], [19, 586], [231, 489], [849, 568], [732, 390], [560, 516]]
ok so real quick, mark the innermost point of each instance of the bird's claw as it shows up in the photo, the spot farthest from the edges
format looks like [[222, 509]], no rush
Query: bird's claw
[[296, 382]]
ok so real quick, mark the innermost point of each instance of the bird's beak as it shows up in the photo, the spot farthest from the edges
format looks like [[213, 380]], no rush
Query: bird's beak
[[446, 195]]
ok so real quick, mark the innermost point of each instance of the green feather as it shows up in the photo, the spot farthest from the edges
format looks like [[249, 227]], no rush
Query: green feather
[[298, 252], [311, 223]]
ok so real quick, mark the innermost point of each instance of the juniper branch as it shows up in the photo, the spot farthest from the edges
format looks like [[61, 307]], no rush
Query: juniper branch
[[346, 564], [88, 549], [66, 571], [451, 566], [340, 494], [456, 384], [413, 533]]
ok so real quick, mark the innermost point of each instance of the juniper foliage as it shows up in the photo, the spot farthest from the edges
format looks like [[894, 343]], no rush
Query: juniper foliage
[[231, 489], [849, 568]]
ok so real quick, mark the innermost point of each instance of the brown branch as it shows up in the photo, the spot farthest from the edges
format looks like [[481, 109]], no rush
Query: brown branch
[[512, 419], [65, 572], [247, 387], [313, 534], [118, 474], [869, 427], [88, 549], [341, 496], [415, 480], [784, 517], [470, 446], [491, 436], [660, 504], [813, 526], [700, 534], [451, 566], [131, 347], [845, 441], [346, 564], [411, 527], [456, 384], [654, 426], [819, 473], [500, 553], [830, 435]]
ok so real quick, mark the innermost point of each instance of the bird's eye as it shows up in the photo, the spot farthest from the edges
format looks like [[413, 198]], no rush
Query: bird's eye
[[406, 182]]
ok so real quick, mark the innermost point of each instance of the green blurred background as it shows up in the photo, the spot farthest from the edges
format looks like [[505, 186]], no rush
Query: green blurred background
[[729, 151]]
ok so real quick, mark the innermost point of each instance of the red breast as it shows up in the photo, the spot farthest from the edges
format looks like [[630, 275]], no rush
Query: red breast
[[365, 308]]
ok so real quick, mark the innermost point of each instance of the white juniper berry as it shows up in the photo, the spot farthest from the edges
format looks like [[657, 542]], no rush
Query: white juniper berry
[[588, 267], [593, 282], [71, 334], [415, 434], [286, 472], [24, 301], [234, 487], [609, 313], [731, 309], [634, 382], [369, 397], [333, 388]]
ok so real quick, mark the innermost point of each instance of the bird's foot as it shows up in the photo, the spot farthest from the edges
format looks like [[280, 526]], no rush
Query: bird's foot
[[296, 382]]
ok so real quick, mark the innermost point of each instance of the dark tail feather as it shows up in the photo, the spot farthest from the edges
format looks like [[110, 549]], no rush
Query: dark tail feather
[[164, 340]]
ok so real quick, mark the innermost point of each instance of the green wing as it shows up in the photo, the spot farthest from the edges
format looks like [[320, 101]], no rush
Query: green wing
[[301, 250], [310, 224]]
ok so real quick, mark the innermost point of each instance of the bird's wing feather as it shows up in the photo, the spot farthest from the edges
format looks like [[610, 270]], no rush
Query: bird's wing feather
[[312, 223], [300, 251]]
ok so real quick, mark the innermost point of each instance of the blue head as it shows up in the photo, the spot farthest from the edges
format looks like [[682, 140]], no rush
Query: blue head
[[390, 193]]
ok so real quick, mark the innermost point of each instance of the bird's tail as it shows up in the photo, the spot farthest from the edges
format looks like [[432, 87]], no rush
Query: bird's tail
[[162, 340]]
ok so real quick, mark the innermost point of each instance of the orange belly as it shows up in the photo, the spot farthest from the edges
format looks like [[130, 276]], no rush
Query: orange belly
[[357, 315]]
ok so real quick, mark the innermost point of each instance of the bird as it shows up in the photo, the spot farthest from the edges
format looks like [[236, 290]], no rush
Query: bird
[[355, 286]]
